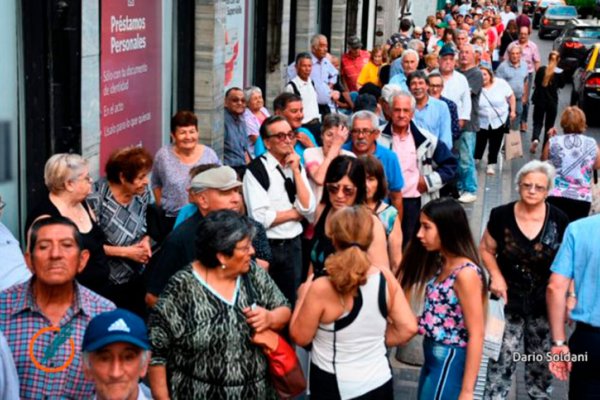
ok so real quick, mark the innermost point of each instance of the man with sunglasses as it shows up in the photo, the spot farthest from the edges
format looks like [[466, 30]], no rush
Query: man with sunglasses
[[235, 147], [278, 196]]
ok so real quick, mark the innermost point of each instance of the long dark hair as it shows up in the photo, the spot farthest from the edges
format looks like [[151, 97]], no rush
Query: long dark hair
[[419, 265]]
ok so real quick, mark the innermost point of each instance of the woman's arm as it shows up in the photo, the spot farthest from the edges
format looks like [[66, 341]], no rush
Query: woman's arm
[[469, 287], [597, 163], [157, 375], [377, 252], [307, 313], [317, 173], [487, 249], [261, 319], [395, 245], [512, 102], [157, 195], [402, 323]]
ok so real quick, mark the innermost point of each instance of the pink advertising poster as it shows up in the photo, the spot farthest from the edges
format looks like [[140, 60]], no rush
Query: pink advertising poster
[[130, 75]]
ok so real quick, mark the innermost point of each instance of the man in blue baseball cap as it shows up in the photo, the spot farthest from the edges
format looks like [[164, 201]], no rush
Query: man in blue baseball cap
[[116, 354]]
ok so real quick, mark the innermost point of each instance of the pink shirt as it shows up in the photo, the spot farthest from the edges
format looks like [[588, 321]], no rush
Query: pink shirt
[[406, 151]]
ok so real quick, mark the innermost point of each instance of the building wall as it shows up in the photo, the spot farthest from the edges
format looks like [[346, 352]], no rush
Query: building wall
[[278, 51], [337, 42]]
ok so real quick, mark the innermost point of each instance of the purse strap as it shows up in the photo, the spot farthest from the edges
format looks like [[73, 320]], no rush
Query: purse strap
[[493, 108]]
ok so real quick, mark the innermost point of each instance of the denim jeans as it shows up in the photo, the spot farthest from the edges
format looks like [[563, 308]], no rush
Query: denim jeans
[[467, 175], [525, 112], [443, 370], [514, 125]]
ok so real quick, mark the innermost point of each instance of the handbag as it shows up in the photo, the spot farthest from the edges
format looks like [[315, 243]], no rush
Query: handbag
[[513, 147], [284, 367]]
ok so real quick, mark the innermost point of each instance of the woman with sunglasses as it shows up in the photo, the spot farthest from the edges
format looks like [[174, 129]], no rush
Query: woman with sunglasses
[[518, 248], [345, 185]]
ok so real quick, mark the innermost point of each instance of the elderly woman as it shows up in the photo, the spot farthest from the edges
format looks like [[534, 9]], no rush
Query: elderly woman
[[120, 201], [351, 315], [496, 104], [334, 134], [370, 72], [254, 115], [345, 183], [517, 248], [68, 180], [172, 164], [200, 329], [575, 157]]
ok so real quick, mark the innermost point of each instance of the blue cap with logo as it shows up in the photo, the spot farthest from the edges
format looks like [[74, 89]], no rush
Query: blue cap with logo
[[115, 326], [447, 50]]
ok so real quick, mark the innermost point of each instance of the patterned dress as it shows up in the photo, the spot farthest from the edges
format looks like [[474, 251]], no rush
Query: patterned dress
[[204, 340]]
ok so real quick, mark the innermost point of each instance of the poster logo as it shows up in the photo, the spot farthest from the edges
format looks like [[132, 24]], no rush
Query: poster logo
[[63, 336]]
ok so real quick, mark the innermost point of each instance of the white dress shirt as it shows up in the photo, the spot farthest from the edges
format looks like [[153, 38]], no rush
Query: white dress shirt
[[263, 205], [457, 89]]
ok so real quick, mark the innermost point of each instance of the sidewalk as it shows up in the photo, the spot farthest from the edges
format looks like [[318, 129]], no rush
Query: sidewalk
[[493, 191]]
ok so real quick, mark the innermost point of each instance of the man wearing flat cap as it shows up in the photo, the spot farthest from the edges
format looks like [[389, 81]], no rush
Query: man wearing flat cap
[[214, 188], [116, 351], [353, 62]]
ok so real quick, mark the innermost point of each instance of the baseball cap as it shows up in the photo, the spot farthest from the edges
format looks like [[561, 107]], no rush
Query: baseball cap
[[354, 42], [115, 326], [221, 178], [447, 50], [442, 24]]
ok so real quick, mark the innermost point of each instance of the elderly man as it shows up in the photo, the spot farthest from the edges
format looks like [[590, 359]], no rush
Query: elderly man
[[303, 86], [514, 71], [457, 89], [323, 74], [45, 317], [279, 197], [402, 67], [577, 262], [431, 114], [353, 62], [435, 84], [13, 269], [236, 144], [364, 133], [289, 106], [427, 163], [116, 351], [213, 188]]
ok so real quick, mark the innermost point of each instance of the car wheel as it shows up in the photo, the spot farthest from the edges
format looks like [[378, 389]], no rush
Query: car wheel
[[541, 34], [574, 97]]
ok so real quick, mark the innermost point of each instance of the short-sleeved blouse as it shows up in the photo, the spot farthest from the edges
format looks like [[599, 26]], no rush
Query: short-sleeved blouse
[[123, 225], [493, 106], [172, 176], [574, 156], [525, 263], [204, 340]]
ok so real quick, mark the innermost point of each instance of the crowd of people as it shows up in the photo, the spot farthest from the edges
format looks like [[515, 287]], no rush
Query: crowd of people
[[334, 218]]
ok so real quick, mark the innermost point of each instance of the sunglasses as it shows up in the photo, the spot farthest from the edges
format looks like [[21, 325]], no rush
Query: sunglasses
[[281, 136], [334, 189]]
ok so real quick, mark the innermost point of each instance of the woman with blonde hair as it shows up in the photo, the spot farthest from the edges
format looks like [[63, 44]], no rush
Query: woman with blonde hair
[[370, 72], [350, 316], [548, 80]]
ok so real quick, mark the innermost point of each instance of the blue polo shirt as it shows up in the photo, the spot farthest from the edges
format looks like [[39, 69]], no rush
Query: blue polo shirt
[[260, 149], [391, 166], [435, 117], [578, 258], [515, 76]]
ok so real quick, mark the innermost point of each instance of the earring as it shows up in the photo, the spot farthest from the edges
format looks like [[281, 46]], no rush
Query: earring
[[223, 266]]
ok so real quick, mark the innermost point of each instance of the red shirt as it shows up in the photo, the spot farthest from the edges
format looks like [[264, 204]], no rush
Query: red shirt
[[351, 67]]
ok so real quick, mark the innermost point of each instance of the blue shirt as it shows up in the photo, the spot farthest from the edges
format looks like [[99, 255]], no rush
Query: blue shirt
[[515, 76], [391, 166], [397, 76], [260, 149], [236, 140], [579, 259], [435, 118]]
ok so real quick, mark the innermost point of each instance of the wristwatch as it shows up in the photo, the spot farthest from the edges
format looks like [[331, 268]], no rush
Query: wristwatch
[[571, 294], [558, 343]]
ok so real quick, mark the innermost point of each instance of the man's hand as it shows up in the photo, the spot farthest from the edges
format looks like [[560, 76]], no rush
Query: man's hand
[[304, 139], [422, 186], [560, 369], [293, 161]]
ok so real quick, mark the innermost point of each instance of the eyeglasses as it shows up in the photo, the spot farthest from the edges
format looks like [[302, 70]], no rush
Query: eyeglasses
[[537, 188], [359, 132], [244, 249], [334, 189], [281, 136]]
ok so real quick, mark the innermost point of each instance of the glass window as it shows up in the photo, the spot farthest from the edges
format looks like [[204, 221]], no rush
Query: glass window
[[562, 11], [587, 33]]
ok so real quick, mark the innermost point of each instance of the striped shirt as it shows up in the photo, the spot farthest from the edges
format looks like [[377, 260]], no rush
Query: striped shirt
[[48, 359]]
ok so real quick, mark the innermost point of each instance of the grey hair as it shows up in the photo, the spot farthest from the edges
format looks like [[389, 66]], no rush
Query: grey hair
[[460, 32], [415, 44], [390, 90], [543, 167], [362, 115], [404, 93], [410, 51], [61, 168], [250, 90], [314, 40], [332, 120]]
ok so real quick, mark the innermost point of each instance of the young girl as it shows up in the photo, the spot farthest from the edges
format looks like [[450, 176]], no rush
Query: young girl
[[442, 260]]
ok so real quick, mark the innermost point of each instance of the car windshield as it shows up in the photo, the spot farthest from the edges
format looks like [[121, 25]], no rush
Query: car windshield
[[590, 33], [562, 11]]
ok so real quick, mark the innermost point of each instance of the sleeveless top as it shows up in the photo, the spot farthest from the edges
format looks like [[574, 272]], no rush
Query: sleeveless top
[[353, 347], [387, 216], [322, 246], [442, 318], [574, 156]]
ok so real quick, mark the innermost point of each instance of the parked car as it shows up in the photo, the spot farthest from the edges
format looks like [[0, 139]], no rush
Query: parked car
[[574, 42], [555, 18], [586, 85], [540, 8]]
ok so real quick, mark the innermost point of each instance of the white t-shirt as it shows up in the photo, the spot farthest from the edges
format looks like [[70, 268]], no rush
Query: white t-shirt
[[493, 104]]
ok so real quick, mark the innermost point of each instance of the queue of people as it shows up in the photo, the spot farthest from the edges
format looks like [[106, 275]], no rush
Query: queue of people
[[322, 227]]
